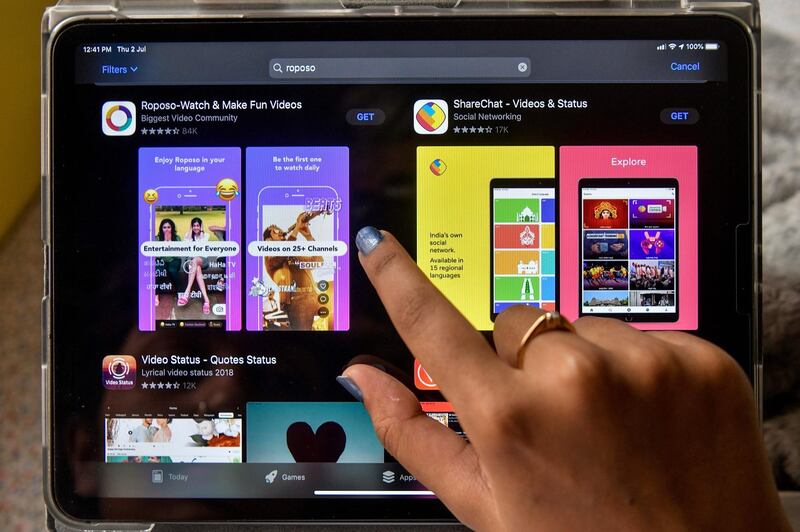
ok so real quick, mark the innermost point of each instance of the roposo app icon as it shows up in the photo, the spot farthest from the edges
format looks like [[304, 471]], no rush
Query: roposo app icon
[[119, 372], [118, 119], [430, 117]]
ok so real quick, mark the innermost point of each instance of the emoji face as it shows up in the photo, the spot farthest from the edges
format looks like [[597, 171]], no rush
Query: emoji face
[[227, 189], [150, 196]]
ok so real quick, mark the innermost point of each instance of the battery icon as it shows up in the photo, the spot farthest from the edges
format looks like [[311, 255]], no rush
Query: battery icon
[[712, 46]]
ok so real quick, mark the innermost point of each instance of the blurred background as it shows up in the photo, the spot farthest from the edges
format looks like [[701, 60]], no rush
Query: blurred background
[[21, 506], [20, 42]]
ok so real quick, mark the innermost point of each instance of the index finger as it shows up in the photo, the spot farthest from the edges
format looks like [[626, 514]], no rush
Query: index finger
[[455, 354]]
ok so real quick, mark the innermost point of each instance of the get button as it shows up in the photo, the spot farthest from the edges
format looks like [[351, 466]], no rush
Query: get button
[[365, 117], [677, 116]]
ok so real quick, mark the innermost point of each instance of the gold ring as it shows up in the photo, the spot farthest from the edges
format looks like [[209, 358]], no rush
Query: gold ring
[[549, 321]]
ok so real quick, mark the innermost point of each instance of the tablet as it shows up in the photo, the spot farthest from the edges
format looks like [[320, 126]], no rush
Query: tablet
[[205, 179]]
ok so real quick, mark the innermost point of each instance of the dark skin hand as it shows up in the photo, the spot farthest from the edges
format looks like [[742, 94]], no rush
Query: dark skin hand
[[609, 428]]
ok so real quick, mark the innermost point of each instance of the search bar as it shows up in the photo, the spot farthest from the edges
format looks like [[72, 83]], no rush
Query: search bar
[[400, 68]]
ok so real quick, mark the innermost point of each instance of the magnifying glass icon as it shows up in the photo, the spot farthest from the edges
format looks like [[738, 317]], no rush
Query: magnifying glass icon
[[277, 68]]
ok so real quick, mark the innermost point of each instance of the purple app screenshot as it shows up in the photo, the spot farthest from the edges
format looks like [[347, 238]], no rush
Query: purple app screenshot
[[652, 213], [189, 234], [297, 221]]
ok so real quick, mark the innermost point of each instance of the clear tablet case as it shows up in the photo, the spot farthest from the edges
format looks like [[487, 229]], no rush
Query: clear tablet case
[[67, 12]]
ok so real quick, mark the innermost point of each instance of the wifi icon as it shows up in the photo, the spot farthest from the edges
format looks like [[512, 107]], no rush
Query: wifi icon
[[672, 46]]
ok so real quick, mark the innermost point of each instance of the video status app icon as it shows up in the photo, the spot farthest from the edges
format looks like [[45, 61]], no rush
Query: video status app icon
[[119, 372], [430, 117], [118, 119], [422, 380]]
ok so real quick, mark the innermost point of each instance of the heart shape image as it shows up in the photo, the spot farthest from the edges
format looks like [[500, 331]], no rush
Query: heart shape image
[[326, 445]]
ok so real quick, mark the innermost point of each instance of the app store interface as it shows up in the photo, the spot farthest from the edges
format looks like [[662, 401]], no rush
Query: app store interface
[[250, 297]]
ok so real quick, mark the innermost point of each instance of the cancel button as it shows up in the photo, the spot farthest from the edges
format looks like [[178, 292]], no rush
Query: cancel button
[[677, 116], [685, 67]]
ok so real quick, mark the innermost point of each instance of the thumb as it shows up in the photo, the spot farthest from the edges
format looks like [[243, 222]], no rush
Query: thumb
[[438, 457]]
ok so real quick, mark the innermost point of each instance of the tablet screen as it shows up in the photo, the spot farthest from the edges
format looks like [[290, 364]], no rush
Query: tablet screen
[[523, 245], [208, 180], [629, 241]]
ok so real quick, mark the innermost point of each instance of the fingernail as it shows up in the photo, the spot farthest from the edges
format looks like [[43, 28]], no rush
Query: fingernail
[[351, 387], [368, 239], [379, 366]]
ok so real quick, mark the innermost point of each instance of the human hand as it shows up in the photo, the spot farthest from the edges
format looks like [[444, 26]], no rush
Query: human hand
[[609, 428]]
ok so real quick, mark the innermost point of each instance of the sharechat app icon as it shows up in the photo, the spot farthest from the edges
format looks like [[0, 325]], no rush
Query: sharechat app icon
[[118, 119], [438, 167], [430, 117]]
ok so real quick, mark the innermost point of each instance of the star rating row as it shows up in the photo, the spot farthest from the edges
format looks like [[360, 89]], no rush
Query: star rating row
[[472, 129], [160, 131], [160, 385]]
